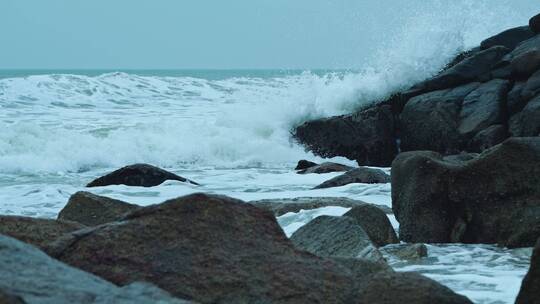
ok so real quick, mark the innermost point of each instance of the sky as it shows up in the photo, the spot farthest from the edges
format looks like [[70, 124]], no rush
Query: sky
[[221, 34]]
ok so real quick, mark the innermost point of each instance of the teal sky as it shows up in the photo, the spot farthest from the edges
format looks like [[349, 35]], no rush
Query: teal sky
[[168, 34]]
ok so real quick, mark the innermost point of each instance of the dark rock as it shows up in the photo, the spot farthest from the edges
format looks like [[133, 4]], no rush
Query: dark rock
[[7, 298], [525, 64], [430, 121], [514, 102], [460, 57], [362, 175], [305, 164], [92, 210], [522, 48], [534, 24], [28, 273], [487, 138], [494, 198], [366, 136], [140, 175], [34, 231], [207, 248], [362, 270], [530, 288], [281, 206], [527, 122], [325, 168], [375, 223], [509, 38], [474, 68], [483, 107], [461, 157], [407, 287], [336, 236], [532, 87], [405, 251]]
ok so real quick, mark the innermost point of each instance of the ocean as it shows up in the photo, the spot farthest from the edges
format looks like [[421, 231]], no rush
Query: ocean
[[230, 131]]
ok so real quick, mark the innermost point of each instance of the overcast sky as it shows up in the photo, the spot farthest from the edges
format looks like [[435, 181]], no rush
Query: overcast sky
[[135, 34]]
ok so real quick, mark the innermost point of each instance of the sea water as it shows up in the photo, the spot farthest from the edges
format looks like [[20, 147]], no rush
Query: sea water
[[230, 130]]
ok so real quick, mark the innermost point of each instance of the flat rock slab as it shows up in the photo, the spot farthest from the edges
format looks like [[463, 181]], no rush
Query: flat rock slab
[[140, 175]]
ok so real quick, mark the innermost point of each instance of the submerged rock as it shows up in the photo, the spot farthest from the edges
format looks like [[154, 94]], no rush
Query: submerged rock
[[140, 175], [375, 223], [27, 273], [281, 206], [494, 198], [334, 236], [407, 287], [366, 136], [207, 248], [325, 168], [34, 231], [405, 251], [359, 175], [530, 288], [92, 210]]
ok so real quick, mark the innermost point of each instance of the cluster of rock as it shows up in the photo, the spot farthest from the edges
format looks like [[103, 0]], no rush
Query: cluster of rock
[[484, 96]]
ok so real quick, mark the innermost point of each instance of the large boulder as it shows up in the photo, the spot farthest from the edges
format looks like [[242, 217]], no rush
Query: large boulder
[[360, 175], [407, 287], [375, 223], [35, 231], [530, 288], [141, 175], [493, 198], [527, 122], [534, 24], [29, 275], [509, 38], [327, 167], [285, 205], [207, 248], [92, 210], [366, 136], [335, 236]]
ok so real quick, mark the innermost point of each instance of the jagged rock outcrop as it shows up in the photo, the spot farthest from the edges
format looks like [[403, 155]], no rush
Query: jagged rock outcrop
[[92, 210], [359, 175], [493, 198], [140, 175]]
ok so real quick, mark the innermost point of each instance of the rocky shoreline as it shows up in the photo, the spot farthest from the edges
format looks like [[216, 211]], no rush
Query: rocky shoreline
[[464, 147]]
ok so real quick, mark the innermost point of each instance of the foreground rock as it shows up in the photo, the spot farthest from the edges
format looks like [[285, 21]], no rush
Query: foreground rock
[[334, 236], [37, 232], [360, 175], [30, 275], [530, 288], [325, 168], [141, 175], [92, 210], [280, 207], [375, 223], [209, 249], [405, 251], [494, 198], [366, 136], [407, 287]]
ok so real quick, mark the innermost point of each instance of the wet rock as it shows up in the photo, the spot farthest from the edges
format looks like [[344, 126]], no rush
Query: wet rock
[[375, 223], [7, 298], [430, 121], [207, 248], [483, 107], [534, 24], [325, 168], [527, 122], [31, 275], [491, 199], [405, 251], [92, 210], [532, 87], [530, 287], [514, 101], [140, 175], [335, 236], [525, 64], [522, 48], [407, 287], [281, 206], [509, 38], [474, 68], [35, 231], [366, 136], [360, 175], [489, 137], [305, 164]]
